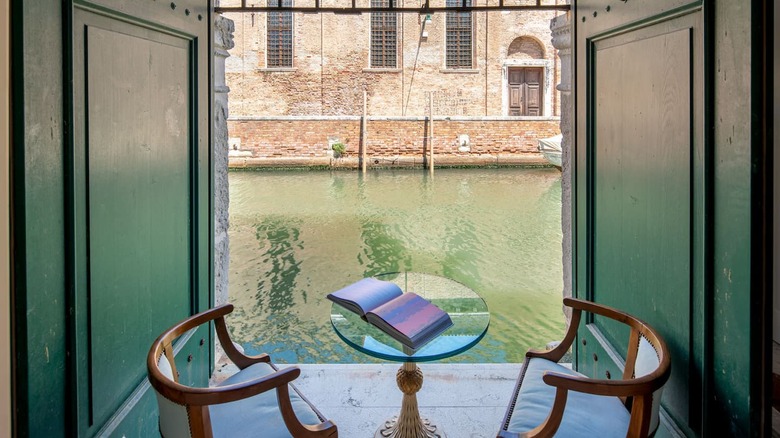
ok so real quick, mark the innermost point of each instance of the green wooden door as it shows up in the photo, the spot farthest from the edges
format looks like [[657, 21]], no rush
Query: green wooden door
[[639, 183], [140, 198], [670, 196]]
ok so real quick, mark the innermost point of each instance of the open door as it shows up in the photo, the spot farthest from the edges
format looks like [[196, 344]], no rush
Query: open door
[[645, 171], [111, 207], [141, 201], [670, 170]]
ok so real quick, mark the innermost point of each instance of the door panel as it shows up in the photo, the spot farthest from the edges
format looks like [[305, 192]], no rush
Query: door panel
[[515, 100], [643, 194], [525, 91], [141, 208], [639, 189], [139, 197], [533, 98]]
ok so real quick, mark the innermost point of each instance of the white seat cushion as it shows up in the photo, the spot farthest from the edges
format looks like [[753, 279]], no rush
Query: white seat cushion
[[585, 415], [257, 416]]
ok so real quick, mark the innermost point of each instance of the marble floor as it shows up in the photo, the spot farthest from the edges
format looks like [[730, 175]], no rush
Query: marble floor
[[464, 400]]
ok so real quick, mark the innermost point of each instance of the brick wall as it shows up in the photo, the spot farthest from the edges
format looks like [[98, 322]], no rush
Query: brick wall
[[307, 140], [331, 66]]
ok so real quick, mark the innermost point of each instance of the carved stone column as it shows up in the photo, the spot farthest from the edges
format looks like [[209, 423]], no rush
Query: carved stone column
[[561, 27], [223, 41]]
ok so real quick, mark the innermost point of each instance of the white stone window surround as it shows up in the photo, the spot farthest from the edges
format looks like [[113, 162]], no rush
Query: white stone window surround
[[546, 64], [277, 69], [292, 43]]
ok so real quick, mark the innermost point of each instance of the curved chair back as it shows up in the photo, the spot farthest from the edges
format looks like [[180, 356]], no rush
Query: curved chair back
[[648, 365], [546, 389], [246, 401]]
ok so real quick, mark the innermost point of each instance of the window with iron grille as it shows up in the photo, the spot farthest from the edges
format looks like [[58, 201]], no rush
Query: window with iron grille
[[459, 36], [279, 38], [384, 36]]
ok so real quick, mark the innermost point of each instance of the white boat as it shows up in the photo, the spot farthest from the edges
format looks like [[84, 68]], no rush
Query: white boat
[[551, 149]]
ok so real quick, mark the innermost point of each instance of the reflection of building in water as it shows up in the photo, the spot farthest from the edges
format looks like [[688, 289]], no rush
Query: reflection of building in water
[[297, 79]]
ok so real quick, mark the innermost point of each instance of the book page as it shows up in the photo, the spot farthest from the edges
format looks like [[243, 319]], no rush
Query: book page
[[366, 294], [410, 314]]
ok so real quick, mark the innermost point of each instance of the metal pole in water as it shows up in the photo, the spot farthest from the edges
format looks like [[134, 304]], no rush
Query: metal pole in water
[[363, 132], [430, 129]]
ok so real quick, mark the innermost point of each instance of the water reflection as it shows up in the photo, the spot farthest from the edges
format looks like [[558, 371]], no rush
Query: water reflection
[[461, 251], [296, 236], [381, 252], [279, 240]]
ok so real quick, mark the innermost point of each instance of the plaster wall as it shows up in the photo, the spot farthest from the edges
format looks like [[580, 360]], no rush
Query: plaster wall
[[5, 229]]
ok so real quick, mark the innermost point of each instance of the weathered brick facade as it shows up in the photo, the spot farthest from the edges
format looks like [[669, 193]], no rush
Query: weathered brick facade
[[289, 112], [269, 141]]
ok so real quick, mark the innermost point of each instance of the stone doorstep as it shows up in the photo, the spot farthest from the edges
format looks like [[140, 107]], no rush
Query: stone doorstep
[[465, 400]]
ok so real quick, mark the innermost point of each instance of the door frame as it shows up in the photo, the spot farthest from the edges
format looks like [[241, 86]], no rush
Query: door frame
[[547, 72], [5, 225]]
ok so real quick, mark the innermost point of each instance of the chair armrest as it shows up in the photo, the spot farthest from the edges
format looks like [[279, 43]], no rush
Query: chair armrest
[[550, 425], [617, 388], [240, 359], [565, 383], [279, 380], [230, 393], [557, 353]]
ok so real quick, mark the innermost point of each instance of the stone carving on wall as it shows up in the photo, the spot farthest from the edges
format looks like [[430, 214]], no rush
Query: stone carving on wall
[[448, 103]]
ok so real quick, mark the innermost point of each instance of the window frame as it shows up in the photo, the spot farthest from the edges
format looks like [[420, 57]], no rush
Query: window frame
[[471, 29], [371, 31], [276, 62]]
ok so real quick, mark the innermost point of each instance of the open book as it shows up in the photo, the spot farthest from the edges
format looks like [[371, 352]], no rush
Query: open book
[[407, 317]]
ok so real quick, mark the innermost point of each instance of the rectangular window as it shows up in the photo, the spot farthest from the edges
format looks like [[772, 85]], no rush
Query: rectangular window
[[459, 36], [279, 38], [384, 36]]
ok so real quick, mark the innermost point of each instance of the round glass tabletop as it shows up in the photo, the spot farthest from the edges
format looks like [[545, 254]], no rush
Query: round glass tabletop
[[468, 312]]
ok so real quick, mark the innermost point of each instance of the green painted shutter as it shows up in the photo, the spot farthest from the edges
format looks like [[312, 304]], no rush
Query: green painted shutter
[[640, 170], [664, 200], [112, 201], [141, 130]]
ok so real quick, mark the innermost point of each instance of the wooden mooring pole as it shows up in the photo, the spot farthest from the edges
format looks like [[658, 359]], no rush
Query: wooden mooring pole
[[363, 133], [430, 132]]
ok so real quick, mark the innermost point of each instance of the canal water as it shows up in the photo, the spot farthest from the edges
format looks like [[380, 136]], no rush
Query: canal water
[[296, 236]]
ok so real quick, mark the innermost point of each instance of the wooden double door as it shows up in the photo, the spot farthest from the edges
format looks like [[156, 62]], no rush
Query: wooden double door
[[525, 91]]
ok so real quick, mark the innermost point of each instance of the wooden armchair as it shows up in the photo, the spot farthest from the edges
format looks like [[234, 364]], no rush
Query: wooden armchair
[[256, 401], [550, 399]]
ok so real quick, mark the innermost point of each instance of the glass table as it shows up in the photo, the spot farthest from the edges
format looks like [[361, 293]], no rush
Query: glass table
[[470, 318]]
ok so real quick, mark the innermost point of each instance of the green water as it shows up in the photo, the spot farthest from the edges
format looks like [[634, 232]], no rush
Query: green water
[[295, 236]]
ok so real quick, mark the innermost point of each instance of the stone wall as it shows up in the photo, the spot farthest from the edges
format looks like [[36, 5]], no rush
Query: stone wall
[[561, 28], [259, 141]]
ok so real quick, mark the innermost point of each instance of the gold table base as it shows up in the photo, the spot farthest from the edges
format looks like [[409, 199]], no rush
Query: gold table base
[[408, 424]]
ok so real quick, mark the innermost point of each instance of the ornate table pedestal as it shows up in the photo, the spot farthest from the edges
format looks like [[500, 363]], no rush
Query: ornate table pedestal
[[408, 424], [470, 318]]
